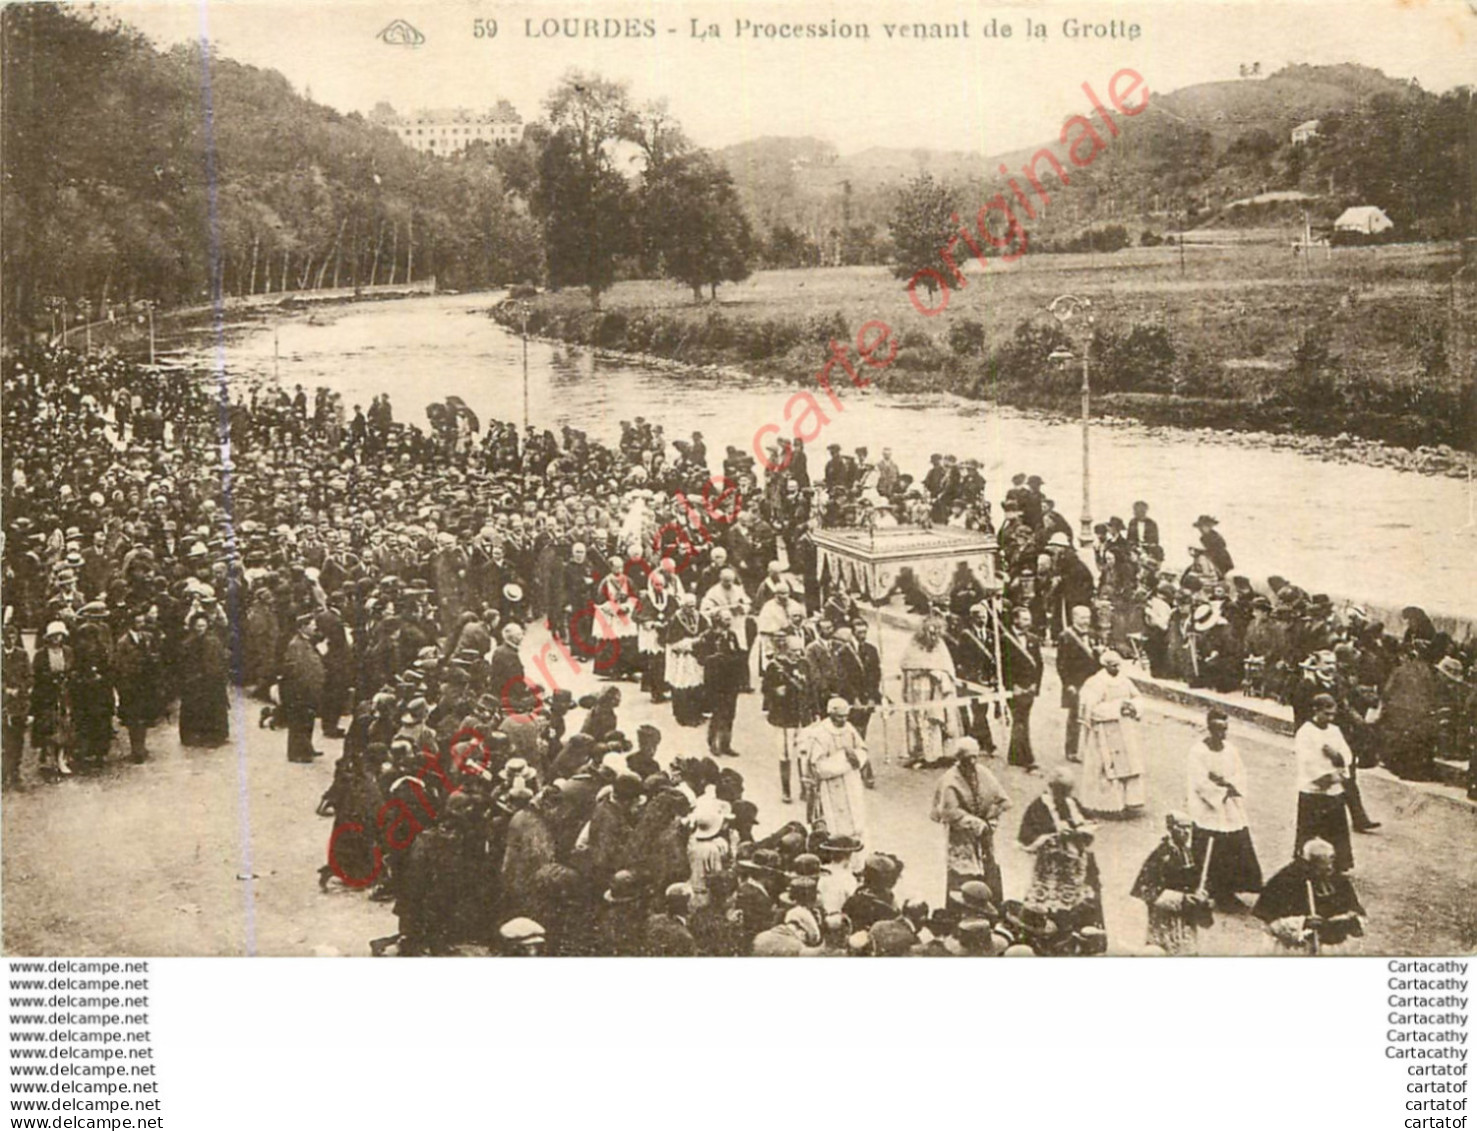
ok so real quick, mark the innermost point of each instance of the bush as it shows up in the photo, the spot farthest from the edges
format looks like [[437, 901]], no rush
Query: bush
[[667, 336], [967, 337], [1026, 358], [640, 332], [918, 352], [608, 331], [1142, 359], [767, 338], [823, 329], [1313, 384], [715, 333]]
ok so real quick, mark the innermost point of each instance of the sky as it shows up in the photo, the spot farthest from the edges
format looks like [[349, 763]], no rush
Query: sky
[[980, 93]]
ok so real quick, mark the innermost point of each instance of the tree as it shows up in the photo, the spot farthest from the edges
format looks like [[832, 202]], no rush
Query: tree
[[789, 248], [582, 200], [116, 206], [922, 223], [695, 229]]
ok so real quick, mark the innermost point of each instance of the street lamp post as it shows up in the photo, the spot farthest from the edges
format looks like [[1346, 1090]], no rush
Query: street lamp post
[[148, 305], [84, 308], [1064, 308]]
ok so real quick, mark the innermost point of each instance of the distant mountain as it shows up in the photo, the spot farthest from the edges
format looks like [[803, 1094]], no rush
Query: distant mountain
[[1381, 141], [1278, 102]]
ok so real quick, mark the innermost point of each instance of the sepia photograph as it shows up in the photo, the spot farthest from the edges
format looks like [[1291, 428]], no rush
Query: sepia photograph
[[738, 479]]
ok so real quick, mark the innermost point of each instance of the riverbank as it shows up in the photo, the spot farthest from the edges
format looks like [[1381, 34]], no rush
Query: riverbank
[[130, 333], [613, 332]]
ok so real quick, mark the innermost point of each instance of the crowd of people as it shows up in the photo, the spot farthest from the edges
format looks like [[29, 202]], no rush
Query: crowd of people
[[376, 580]]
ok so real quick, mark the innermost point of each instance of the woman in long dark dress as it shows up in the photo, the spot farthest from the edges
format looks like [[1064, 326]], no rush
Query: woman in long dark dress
[[203, 705], [52, 668], [92, 686]]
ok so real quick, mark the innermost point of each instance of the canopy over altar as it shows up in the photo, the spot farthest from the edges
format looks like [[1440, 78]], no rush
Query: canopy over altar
[[871, 562]]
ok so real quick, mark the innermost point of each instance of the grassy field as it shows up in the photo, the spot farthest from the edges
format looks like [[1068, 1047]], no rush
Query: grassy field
[[1234, 314]]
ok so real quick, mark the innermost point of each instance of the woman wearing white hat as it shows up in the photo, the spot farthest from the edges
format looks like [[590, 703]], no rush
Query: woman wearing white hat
[[51, 714]]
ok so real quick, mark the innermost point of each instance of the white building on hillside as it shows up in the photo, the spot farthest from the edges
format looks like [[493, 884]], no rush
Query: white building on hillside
[[447, 131], [1306, 132], [1366, 219]]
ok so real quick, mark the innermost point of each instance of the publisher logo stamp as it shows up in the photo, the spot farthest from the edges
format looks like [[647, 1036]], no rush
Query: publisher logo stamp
[[399, 33]]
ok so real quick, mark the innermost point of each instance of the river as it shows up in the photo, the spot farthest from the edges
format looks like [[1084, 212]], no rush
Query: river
[[1382, 536]]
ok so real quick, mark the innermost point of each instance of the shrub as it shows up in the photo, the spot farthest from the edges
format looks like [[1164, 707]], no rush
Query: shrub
[[608, 331], [666, 336], [1313, 384], [823, 329], [715, 333], [1142, 359], [639, 332], [768, 337], [967, 337], [918, 351], [1026, 358]]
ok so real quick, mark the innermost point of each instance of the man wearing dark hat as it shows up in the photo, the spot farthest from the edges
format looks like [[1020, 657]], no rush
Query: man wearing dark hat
[[442, 897], [301, 689], [1142, 530], [136, 674], [338, 665], [760, 879], [610, 845], [667, 934], [92, 684], [1072, 583], [875, 900], [836, 473], [620, 921], [1214, 545], [643, 760], [1264, 650], [507, 665]]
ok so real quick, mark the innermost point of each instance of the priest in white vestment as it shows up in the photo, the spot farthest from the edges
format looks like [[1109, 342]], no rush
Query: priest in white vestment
[[929, 676], [1112, 762], [831, 761]]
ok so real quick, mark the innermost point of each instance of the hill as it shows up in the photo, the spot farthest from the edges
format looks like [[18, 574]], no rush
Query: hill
[[1381, 140], [179, 175]]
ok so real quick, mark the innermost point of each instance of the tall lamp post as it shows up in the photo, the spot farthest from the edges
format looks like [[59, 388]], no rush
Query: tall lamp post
[[1066, 308], [84, 311], [148, 304]]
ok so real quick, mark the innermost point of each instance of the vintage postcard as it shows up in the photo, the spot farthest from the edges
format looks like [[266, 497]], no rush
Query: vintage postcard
[[739, 479]]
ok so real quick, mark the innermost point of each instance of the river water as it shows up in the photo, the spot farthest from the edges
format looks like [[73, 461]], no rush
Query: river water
[[1377, 535]]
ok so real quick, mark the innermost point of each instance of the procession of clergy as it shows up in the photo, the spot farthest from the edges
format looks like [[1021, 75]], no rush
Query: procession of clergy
[[380, 564]]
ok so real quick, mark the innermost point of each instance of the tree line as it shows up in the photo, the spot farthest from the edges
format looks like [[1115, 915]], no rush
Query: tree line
[[177, 177]]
